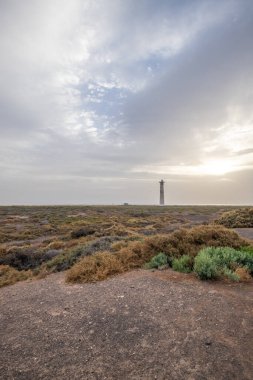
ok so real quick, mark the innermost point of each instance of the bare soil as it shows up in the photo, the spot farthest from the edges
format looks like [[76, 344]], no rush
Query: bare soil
[[245, 232], [140, 325]]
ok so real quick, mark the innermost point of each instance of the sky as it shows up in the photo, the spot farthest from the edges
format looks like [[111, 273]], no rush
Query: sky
[[99, 100]]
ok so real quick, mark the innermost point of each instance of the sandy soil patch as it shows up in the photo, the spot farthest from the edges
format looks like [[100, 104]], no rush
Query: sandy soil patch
[[140, 325]]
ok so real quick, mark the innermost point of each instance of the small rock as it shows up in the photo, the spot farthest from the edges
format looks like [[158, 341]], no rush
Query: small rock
[[208, 342]]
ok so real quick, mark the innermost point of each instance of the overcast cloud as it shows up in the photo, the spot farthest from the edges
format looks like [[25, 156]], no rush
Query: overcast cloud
[[101, 99]]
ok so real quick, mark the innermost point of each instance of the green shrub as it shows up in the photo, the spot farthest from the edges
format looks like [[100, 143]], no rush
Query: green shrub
[[248, 249], [183, 264], [157, 261], [205, 266], [148, 250], [231, 275], [212, 262], [231, 258], [63, 261]]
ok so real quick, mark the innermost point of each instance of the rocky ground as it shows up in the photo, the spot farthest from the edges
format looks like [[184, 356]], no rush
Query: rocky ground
[[140, 325]]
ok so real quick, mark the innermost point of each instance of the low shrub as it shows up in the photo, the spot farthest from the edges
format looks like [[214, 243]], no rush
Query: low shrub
[[134, 255], [9, 275], [68, 258], [212, 262], [243, 274], [3, 250], [95, 268], [57, 244], [127, 258], [175, 245], [190, 241], [23, 258], [205, 267], [239, 218], [102, 244], [51, 253], [248, 249], [231, 258], [231, 275], [183, 264], [118, 245], [64, 260], [85, 231], [157, 261]]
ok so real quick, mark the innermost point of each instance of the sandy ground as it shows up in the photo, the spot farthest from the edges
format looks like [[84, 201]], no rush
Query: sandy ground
[[140, 325], [245, 232]]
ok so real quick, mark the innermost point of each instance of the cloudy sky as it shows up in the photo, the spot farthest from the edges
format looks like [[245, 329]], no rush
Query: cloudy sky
[[101, 99]]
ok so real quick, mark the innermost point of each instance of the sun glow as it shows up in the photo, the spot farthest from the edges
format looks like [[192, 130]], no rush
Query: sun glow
[[215, 167]]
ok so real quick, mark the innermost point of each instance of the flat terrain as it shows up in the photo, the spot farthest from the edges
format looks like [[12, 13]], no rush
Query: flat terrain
[[37, 240], [140, 325], [40, 226]]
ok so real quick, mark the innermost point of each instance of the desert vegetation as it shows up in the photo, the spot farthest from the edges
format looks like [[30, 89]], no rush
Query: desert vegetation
[[179, 249], [93, 243], [214, 262], [239, 218]]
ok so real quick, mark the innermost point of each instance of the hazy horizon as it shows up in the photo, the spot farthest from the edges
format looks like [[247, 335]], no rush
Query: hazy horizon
[[99, 100]]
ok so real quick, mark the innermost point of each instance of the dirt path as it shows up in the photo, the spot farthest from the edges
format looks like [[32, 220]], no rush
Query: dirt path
[[141, 325], [245, 232]]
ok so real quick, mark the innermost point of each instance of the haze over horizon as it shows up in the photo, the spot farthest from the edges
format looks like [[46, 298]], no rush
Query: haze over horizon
[[99, 100]]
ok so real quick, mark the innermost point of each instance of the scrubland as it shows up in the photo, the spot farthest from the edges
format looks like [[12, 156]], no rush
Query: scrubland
[[92, 243], [62, 321]]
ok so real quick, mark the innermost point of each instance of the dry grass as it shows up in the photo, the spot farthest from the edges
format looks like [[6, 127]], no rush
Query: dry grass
[[243, 274], [118, 245], [39, 238], [22, 258], [134, 256], [56, 244], [182, 242], [95, 268], [190, 241], [9, 275], [240, 218], [3, 250]]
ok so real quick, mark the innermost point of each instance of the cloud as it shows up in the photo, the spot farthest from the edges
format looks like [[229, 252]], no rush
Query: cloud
[[245, 151], [124, 91], [203, 97]]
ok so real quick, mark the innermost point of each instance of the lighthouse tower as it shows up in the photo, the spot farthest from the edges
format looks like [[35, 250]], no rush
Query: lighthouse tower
[[162, 192]]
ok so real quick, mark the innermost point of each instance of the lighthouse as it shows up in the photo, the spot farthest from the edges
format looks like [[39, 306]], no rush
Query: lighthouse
[[162, 192]]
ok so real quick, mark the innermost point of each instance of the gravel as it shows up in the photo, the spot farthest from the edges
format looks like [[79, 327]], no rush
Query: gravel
[[140, 325]]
